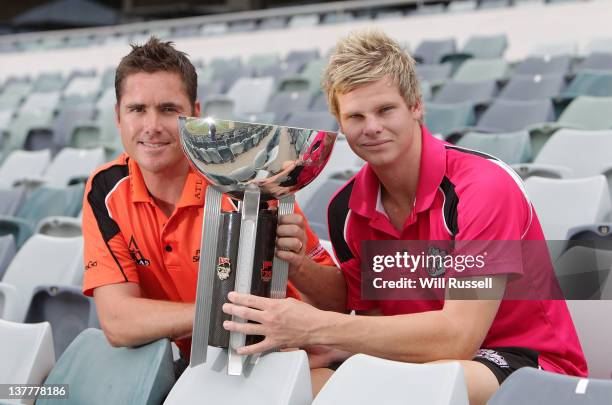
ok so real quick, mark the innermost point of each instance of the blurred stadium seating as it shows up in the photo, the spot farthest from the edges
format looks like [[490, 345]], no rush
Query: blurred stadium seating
[[495, 78]]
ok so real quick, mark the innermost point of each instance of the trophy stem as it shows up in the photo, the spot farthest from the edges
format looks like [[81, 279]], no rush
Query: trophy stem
[[280, 268], [206, 274], [244, 270]]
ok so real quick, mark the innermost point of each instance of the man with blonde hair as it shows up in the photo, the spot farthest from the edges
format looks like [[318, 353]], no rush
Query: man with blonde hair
[[415, 187]]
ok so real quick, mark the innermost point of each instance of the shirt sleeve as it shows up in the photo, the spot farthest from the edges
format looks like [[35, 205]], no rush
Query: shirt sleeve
[[106, 255]]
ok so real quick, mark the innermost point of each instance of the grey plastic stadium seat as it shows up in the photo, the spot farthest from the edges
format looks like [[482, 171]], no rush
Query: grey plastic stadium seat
[[599, 45], [530, 386], [313, 119], [283, 103], [141, 376], [556, 48], [479, 47], [7, 252], [510, 116], [532, 88], [23, 164], [475, 70], [597, 61], [448, 119], [431, 51], [72, 165], [594, 336], [26, 353], [481, 92], [513, 147], [294, 83], [67, 310], [260, 61], [48, 82], [250, 95], [564, 203], [315, 209], [364, 379], [303, 56], [582, 271], [277, 379], [70, 118], [261, 118], [219, 28], [558, 158], [11, 200], [303, 20], [218, 106], [60, 226], [589, 83], [587, 113], [543, 65], [436, 75], [461, 6], [41, 260]]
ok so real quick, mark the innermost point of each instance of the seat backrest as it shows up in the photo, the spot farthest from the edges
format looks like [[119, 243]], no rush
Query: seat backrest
[[431, 51], [447, 118], [26, 352], [43, 260], [510, 116], [590, 83], [511, 148], [595, 151], [475, 70], [530, 386], [20, 164], [486, 46], [532, 87], [321, 120], [250, 95], [285, 102], [7, 252], [564, 203], [98, 373], [538, 65], [463, 92], [72, 164], [364, 379], [597, 61], [588, 113]]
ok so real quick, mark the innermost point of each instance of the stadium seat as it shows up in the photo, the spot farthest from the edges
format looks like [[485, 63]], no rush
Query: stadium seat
[[11, 200], [449, 119], [525, 88], [250, 95], [242, 26], [303, 20], [48, 82], [479, 47], [259, 62], [41, 260], [26, 354], [67, 310], [219, 28], [511, 116], [22, 164], [530, 386], [431, 51], [435, 75], [313, 72], [564, 203], [589, 83], [294, 83], [218, 106], [81, 89], [13, 94], [276, 379], [551, 49], [302, 56], [544, 65], [599, 45], [60, 226], [72, 166], [365, 379], [558, 157], [98, 373], [283, 103], [461, 6], [315, 209], [313, 120], [513, 147], [597, 62], [273, 23], [477, 70], [587, 113], [7, 252], [262, 118], [476, 93]]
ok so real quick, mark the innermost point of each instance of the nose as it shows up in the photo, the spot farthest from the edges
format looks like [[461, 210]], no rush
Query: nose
[[153, 123], [372, 126]]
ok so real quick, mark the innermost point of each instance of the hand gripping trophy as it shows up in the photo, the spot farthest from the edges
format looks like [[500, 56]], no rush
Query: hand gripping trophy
[[254, 164]]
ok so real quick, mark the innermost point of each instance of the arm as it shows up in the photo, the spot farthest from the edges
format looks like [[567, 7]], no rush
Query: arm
[[127, 319], [454, 332], [322, 285]]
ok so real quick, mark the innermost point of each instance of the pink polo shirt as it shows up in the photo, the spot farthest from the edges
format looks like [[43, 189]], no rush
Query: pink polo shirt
[[469, 196]]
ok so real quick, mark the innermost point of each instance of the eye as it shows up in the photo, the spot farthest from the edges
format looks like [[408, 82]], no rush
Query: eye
[[387, 108], [169, 109], [136, 108]]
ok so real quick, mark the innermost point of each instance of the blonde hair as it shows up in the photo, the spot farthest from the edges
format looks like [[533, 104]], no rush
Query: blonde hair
[[364, 57]]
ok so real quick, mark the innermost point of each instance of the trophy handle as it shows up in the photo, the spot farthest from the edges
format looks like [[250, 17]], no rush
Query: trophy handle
[[206, 274], [244, 270], [280, 268]]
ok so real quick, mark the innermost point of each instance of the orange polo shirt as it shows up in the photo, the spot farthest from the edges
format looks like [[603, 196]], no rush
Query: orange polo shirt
[[129, 239]]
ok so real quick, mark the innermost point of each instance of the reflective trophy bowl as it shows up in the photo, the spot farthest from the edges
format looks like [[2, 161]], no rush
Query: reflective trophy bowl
[[234, 155]]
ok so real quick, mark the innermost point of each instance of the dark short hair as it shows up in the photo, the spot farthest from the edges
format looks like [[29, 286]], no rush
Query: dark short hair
[[156, 56]]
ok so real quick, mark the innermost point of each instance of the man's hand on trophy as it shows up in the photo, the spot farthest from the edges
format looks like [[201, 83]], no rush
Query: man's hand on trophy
[[283, 322], [291, 240]]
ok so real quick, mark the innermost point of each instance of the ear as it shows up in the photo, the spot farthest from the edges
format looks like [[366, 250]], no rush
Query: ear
[[197, 108], [417, 110], [117, 119]]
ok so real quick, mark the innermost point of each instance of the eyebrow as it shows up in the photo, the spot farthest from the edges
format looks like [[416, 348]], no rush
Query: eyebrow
[[162, 105]]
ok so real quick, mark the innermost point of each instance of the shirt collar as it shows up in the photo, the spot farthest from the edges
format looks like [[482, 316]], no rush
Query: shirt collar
[[366, 196], [193, 190]]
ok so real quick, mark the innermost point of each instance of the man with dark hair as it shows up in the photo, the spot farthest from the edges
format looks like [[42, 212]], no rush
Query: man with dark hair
[[142, 212]]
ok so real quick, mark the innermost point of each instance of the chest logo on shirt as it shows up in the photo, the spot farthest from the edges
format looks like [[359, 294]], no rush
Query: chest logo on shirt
[[135, 253], [436, 268], [223, 268]]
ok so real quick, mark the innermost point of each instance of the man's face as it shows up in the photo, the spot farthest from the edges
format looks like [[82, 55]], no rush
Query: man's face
[[147, 119], [379, 126]]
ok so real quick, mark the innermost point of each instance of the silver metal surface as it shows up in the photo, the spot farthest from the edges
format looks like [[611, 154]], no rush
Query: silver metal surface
[[206, 274], [280, 268], [232, 155]]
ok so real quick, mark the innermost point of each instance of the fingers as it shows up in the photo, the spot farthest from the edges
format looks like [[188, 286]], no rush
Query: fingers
[[248, 300], [247, 328], [290, 244], [260, 347], [244, 312]]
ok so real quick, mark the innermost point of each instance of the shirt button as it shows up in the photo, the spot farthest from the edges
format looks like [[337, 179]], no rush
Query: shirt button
[[168, 248]]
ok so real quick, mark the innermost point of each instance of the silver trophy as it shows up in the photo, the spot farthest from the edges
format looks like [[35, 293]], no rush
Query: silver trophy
[[252, 163]]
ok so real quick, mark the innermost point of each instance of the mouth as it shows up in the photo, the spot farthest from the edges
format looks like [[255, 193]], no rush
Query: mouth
[[153, 145], [375, 143]]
